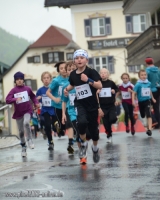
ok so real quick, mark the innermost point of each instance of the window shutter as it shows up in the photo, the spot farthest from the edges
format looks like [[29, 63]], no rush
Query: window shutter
[[30, 59], [61, 56], [34, 85], [129, 28], [87, 27], [108, 25], [111, 64], [90, 63], [45, 57]]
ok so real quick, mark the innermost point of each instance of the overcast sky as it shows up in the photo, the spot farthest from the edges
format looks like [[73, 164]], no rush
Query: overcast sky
[[29, 19]]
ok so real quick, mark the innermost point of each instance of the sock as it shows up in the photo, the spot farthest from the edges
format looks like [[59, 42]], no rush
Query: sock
[[23, 144], [95, 148], [84, 143], [51, 142], [70, 141]]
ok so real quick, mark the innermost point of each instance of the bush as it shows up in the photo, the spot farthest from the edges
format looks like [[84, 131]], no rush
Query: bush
[[1, 118]]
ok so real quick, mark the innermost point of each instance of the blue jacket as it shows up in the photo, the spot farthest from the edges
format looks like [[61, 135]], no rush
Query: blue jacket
[[153, 77]]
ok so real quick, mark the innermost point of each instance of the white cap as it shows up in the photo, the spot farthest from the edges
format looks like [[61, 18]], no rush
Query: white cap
[[80, 52]]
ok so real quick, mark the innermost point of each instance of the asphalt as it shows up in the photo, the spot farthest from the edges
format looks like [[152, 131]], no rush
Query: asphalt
[[129, 168]]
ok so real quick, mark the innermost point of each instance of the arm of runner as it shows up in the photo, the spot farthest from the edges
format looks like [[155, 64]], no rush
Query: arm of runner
[[116, 97], [95, 84], [67, 89], [100, 112], [49, 94], [63, 112], [133, 98], [153, 99]]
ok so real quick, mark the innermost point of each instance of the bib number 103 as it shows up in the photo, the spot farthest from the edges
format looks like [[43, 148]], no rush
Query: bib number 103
[[83, 91]]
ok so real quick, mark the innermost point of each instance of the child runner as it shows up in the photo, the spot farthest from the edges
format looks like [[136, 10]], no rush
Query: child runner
[[20, 96], [106, 98], [86, 82], [144, 95], [55, 93], [126, 89], [47, 110], [69, 117]]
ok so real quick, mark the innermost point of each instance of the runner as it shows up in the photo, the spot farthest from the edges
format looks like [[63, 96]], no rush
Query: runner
[[20, 96], [47, 110], [106, 99], [54, 92], [69, 117], [144, 95], [86, 82], [125, 90]]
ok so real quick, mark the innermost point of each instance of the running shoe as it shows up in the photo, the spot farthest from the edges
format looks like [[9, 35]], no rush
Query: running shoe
[[83, 151], [127, 129], [30, 144], [149, 132], [132, 130], [56, 124], [109, 139], [70, 149], [51, 147], [83, 161], [96, 156], [24, 151]]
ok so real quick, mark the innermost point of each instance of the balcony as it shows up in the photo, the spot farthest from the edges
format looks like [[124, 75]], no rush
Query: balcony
[[68, 3], [140, 6], [147, 44]]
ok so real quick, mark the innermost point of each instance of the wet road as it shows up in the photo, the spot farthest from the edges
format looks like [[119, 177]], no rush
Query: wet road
[[129, 168]]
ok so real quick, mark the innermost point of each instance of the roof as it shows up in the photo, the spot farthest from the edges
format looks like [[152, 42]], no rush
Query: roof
[[54, 36], [67, 3]]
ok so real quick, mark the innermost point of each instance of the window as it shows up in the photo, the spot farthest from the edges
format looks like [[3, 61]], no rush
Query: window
[[69, 56], [136, 23], [53, 57], [133, 68], [97, 27], [31, 83], [102, 62], [34, 59]]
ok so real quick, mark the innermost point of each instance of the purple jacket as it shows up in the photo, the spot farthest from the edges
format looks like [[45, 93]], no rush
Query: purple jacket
[[21, 108]]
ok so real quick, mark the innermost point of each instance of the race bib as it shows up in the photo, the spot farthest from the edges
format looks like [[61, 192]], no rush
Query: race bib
[[60, 91], [83, 91], [105, 92], [23, 95], [46, 101], [71, 99], [146, 92], [126, 95]]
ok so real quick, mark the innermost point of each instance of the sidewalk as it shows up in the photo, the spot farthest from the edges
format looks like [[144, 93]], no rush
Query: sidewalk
[[9, 141]]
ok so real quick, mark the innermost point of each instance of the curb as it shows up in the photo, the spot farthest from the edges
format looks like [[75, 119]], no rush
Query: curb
[[9, 141]]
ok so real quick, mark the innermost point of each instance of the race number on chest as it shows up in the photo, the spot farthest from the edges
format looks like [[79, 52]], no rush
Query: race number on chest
[[71, 98], [60, 91], [23, 95], [146, 92], [126, 95], [105, 92], [46, 101], [83, 91]]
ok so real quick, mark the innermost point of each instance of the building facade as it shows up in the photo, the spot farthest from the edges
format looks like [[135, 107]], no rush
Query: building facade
[[148, 43], [104, 31], [53, 46]]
